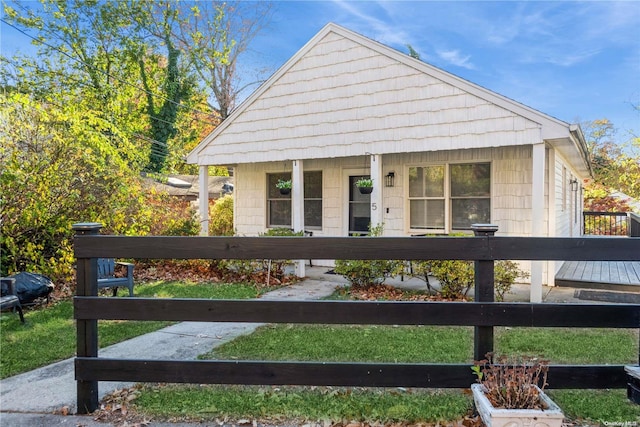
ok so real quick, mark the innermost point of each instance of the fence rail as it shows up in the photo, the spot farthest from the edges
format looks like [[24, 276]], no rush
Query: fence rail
[[483, 314]]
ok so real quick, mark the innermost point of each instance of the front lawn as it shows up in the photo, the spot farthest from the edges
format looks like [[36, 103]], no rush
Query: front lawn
[[434, 344], [26, 347]]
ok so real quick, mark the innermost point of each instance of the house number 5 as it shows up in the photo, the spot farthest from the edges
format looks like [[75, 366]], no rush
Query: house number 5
[[374, 207]]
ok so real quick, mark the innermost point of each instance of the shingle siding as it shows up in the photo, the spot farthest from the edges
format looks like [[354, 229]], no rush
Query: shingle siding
[[343, 99]]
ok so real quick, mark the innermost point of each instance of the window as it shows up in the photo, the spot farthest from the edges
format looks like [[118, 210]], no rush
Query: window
[[313, 200], [279, 205], [470, 195], [449, 197], [426, 194]]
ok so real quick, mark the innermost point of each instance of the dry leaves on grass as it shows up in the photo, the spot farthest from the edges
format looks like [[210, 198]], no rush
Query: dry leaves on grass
[[391, 293], [116, 408]]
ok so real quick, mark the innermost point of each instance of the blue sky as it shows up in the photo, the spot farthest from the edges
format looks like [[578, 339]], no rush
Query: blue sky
[[576, 61]]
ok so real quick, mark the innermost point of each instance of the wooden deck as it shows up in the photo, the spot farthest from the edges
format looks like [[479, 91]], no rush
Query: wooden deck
[[610, 275]]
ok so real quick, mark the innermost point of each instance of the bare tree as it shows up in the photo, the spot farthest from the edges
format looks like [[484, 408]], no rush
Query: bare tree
[[214, 36]]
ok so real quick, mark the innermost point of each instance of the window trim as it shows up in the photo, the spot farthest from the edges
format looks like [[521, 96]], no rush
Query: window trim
[[289, 199], [448, 199]]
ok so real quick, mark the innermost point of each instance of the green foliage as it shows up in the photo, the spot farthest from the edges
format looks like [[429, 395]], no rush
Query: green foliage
[[505, 275], [172, 216], [271, 269], [282, 232], [363, 273], [58, 170], [364, 182], [615, 167], [283, 184], [221, 217], [455, 277], [276, 267]]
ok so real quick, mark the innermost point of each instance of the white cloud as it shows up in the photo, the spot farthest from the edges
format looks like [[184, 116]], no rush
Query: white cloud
[[454, 57], [373, 20]]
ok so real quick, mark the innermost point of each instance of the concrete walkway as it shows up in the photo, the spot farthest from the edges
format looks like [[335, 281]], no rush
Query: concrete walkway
[[49, 389], [29, 399]]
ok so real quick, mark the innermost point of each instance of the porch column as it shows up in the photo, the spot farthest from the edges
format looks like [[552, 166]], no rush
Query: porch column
[[537, 216], [376, 195], [297, 206], [551, 203], [203, 194]]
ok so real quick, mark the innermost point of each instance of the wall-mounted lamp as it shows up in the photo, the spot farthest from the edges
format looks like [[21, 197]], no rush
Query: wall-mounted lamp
[[389, 179], [574, 184]]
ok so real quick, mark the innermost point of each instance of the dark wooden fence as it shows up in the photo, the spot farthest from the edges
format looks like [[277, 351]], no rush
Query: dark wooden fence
[[483, 314]]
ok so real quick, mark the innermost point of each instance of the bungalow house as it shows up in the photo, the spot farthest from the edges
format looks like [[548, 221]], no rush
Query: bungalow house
[[443, 153]]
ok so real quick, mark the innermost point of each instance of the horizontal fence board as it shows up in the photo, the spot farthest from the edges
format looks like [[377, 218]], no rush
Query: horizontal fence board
[[404, 248], [360, 312], [330, 374]]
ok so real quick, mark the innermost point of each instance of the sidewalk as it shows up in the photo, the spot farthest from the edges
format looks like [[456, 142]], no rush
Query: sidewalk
[[29, 399]]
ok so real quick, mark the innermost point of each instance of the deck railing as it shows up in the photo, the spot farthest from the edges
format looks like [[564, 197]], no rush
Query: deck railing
[[634, 225], [606, 223], [483, 315]]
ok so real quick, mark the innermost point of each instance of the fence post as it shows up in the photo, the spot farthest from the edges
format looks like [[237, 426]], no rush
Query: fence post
[[87, 330], [483, 292]]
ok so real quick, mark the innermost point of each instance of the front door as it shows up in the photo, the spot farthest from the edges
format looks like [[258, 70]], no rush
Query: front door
[[359, 208]]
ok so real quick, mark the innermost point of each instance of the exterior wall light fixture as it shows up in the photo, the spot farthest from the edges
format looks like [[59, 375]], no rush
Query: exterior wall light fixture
[[389, 179]]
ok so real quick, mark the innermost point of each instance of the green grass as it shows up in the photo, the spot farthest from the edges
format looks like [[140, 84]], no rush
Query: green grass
[[437, 344], [26, 347], [571, 345], [403, 344], [598, 406], [282, 404], [392, 344]]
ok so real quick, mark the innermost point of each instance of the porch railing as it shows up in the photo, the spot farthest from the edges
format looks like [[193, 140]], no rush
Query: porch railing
[[611, 224]]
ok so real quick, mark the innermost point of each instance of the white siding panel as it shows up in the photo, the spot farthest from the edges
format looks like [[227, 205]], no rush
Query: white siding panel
[[343, 99]]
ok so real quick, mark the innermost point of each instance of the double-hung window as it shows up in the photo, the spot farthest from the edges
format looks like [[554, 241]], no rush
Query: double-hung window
[[279, 205], [449, 197], [427, 197]]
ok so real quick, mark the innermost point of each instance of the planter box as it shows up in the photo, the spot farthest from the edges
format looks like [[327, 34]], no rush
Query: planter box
[[494, 417]]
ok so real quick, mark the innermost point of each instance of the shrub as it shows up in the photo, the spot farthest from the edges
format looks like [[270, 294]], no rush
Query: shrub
[[256, 269], [455, 277], [363, 273], [59, 168], [172, 216], [221, 217], [505, 275]]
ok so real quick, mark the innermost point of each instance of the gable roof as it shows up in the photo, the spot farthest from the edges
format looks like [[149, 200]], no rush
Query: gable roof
[[343, 94]]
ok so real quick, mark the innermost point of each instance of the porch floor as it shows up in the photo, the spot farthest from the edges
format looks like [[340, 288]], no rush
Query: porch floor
[[609, 275]]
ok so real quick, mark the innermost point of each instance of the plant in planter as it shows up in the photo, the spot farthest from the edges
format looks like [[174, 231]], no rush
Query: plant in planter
[[511, 393], [365, 185], [284, 185]]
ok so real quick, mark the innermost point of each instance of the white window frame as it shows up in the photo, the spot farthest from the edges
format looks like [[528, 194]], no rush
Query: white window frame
[[268, 202], [448, 218]]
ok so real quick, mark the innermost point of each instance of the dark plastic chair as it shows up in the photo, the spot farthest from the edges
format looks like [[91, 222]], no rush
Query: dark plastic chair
[[10, 300]]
